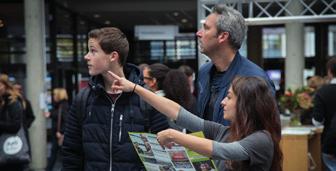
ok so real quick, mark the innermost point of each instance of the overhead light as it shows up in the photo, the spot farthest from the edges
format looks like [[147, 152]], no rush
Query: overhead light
[[96, 15], [184, 20], [107, 22], [175, 14]]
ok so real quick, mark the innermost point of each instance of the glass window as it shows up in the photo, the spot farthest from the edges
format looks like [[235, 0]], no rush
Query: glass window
[[81, 47], [309, 42], [156, 50], [332, 40], [64, 47], [170, 49], [243, 48], [186, 49], [274, 42]]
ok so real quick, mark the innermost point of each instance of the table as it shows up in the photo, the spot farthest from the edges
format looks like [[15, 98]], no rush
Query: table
[[301, 147]]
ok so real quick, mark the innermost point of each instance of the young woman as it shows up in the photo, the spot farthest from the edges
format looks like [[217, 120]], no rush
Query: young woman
[[58, 118], [11, 111], [250, 143]]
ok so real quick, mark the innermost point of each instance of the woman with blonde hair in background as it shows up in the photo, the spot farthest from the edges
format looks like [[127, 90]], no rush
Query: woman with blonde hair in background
[[58, 117], [11, 112]]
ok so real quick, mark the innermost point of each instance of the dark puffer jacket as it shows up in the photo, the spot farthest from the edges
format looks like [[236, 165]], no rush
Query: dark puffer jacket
[[104, 144]]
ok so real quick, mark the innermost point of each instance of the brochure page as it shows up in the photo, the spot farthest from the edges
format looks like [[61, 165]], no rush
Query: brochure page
[[177, 158]]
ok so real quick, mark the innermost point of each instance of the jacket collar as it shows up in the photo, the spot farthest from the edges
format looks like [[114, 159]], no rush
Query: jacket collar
[[131, 72]]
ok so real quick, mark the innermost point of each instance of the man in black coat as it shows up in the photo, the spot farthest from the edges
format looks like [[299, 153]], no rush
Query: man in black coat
[[325, 113]]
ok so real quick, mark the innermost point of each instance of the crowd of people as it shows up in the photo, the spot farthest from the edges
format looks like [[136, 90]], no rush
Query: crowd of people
[[240, 133], [114, 103]]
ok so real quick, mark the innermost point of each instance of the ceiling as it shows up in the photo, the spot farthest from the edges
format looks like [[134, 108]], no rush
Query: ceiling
[[128, 13], [124, 14]]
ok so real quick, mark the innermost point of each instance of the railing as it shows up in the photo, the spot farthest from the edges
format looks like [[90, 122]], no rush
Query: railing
[[261, 12]]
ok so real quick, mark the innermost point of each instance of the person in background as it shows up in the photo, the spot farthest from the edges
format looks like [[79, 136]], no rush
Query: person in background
[[142, 66], [176, 87], [11, 114], [189, 72], [315, 82], [253, 146], [58, 120], [98, 139], [324, 113], [220, 39], [154, 76], [28, 117]]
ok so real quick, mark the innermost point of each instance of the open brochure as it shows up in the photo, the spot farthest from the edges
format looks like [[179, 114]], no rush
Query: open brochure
[[178, 158]]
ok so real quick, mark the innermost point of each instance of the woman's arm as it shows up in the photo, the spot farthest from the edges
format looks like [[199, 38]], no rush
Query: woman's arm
[[206, 147], [200, 145], [162, 104]]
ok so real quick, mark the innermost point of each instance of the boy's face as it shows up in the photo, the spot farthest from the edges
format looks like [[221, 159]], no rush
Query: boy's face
[[97, 60]]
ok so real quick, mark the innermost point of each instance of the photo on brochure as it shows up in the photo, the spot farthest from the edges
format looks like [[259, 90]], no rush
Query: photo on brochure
[[176, 158]]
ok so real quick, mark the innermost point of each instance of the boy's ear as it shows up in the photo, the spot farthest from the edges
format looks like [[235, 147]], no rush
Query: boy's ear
[[114, 56]]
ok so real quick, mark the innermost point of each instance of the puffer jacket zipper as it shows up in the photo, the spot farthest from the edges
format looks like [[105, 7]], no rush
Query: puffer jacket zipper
[[120, 126], [111, 126]]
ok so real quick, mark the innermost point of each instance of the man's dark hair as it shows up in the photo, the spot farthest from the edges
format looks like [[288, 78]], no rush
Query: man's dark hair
[[331, 66], [112, 39]]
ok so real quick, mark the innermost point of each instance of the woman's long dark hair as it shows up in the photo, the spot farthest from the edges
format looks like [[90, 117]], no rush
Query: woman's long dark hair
[[256, 110], [176, 88]]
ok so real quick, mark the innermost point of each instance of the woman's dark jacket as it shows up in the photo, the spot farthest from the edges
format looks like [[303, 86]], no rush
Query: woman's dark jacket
[[10, 122], [102, 142], [61, 108], [10, 116]]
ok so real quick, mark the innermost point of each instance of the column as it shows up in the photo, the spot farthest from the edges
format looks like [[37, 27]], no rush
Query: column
[[295, 62], [34, 13]]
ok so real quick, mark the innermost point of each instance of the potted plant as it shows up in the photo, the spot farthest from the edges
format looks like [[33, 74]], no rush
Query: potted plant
[[296, 102]]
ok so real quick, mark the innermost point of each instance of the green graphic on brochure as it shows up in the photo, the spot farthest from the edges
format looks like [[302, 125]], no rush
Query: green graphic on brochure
[[177, 158]]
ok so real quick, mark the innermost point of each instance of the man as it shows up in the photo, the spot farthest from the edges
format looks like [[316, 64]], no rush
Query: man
[[220, 39], [98, 139], [324, 113]]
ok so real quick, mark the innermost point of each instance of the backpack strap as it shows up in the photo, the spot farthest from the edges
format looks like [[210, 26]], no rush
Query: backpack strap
[[81, 102], [145, 110]]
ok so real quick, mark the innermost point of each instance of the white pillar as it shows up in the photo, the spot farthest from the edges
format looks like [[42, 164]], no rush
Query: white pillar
[[295, 62], [34, 13]]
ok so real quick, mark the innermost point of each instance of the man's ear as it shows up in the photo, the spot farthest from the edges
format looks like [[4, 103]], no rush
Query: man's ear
[[223, 36]]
